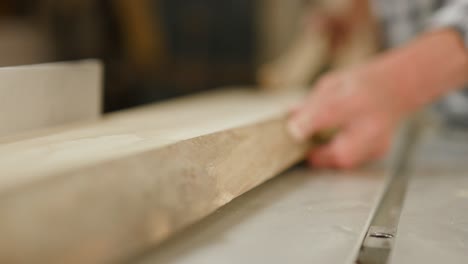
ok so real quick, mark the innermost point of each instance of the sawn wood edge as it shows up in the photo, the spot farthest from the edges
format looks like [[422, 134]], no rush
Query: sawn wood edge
[[118, 208]]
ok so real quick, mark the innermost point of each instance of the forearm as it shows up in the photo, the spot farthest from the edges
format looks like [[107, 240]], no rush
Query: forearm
[[425, 69]]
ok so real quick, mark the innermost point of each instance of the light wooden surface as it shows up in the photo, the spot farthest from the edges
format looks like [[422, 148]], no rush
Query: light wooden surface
[[433, 225], [106, 190], [39, 96], [302, 216]]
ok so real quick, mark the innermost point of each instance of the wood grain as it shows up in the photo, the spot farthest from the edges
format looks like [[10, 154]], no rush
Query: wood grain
[[106, 190], [39, 96]]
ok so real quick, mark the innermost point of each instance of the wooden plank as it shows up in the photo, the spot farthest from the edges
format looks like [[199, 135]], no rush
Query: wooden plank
[[433, 223], [107, 190], [303, 216], [39, 96]]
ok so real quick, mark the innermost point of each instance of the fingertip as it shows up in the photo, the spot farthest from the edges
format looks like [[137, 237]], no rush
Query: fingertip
[[344, 159], [300, 126], [315, 163], [295, 130], [320, 158]]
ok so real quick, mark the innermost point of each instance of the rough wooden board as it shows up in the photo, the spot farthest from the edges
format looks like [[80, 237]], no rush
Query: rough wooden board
[[112, 188], [303, 216], [433, 224], [39, 96], [135, 131]]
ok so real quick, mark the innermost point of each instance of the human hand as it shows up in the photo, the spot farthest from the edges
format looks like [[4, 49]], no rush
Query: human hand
[[361, 105], [366, 103]]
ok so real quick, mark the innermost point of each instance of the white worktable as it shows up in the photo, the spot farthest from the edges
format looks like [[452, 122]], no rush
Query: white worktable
[[299, 217], [433, 227]]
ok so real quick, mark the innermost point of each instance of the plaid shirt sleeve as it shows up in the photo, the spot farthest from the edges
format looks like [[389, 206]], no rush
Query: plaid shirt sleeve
[[454, 14]]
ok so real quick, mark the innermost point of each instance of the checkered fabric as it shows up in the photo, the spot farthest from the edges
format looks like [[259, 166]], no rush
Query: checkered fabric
[[403, 19]]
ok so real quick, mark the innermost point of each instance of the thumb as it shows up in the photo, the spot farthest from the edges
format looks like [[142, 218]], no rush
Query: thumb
[[312, 118]]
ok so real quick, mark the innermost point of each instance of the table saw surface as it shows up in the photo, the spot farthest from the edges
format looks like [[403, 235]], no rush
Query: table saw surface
[[306, 216]]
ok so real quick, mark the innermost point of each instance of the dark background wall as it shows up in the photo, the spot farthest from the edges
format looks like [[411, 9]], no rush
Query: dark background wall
[[152, 49]]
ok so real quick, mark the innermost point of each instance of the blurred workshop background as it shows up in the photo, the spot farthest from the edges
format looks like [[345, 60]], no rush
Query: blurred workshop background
[[159, 49], [152, 49]]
